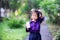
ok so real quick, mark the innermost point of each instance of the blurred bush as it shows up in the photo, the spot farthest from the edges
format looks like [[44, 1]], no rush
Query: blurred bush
[[16, 23], [57, 37], [52, 8]]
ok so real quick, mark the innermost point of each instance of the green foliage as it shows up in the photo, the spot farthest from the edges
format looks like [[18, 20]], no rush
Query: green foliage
[[14, 4], [24, 5], [51, 7], [13, 28], [57, 2], [57, 37], [12, 34], [16, 23]]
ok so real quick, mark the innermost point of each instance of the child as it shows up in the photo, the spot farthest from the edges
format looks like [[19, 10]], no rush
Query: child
[[34, 25]]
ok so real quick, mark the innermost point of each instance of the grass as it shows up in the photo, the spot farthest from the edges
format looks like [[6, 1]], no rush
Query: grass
[[14, 34], [11, 34]]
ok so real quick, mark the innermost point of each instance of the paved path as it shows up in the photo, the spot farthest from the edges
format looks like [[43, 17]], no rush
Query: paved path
[[27, 38], [45, 33]]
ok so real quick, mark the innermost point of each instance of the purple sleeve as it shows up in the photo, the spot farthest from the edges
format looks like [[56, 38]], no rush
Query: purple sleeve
[[41, 19]]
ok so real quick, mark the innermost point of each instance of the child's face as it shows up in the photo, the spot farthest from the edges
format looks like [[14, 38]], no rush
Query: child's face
[[34, 16]]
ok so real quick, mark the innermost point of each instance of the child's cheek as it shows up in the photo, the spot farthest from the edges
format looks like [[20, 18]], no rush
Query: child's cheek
[[36, 17]]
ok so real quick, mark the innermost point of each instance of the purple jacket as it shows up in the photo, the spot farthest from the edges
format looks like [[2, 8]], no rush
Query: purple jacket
[[35, 26]]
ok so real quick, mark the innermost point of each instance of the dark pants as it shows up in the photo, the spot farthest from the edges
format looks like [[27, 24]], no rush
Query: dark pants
[[34, 36]]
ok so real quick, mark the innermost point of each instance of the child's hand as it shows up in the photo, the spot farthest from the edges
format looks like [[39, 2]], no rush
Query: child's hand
[[33, 20], [27, 25]]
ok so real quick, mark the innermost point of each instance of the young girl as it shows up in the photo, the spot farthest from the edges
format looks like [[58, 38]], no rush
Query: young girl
[[34, 25]]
